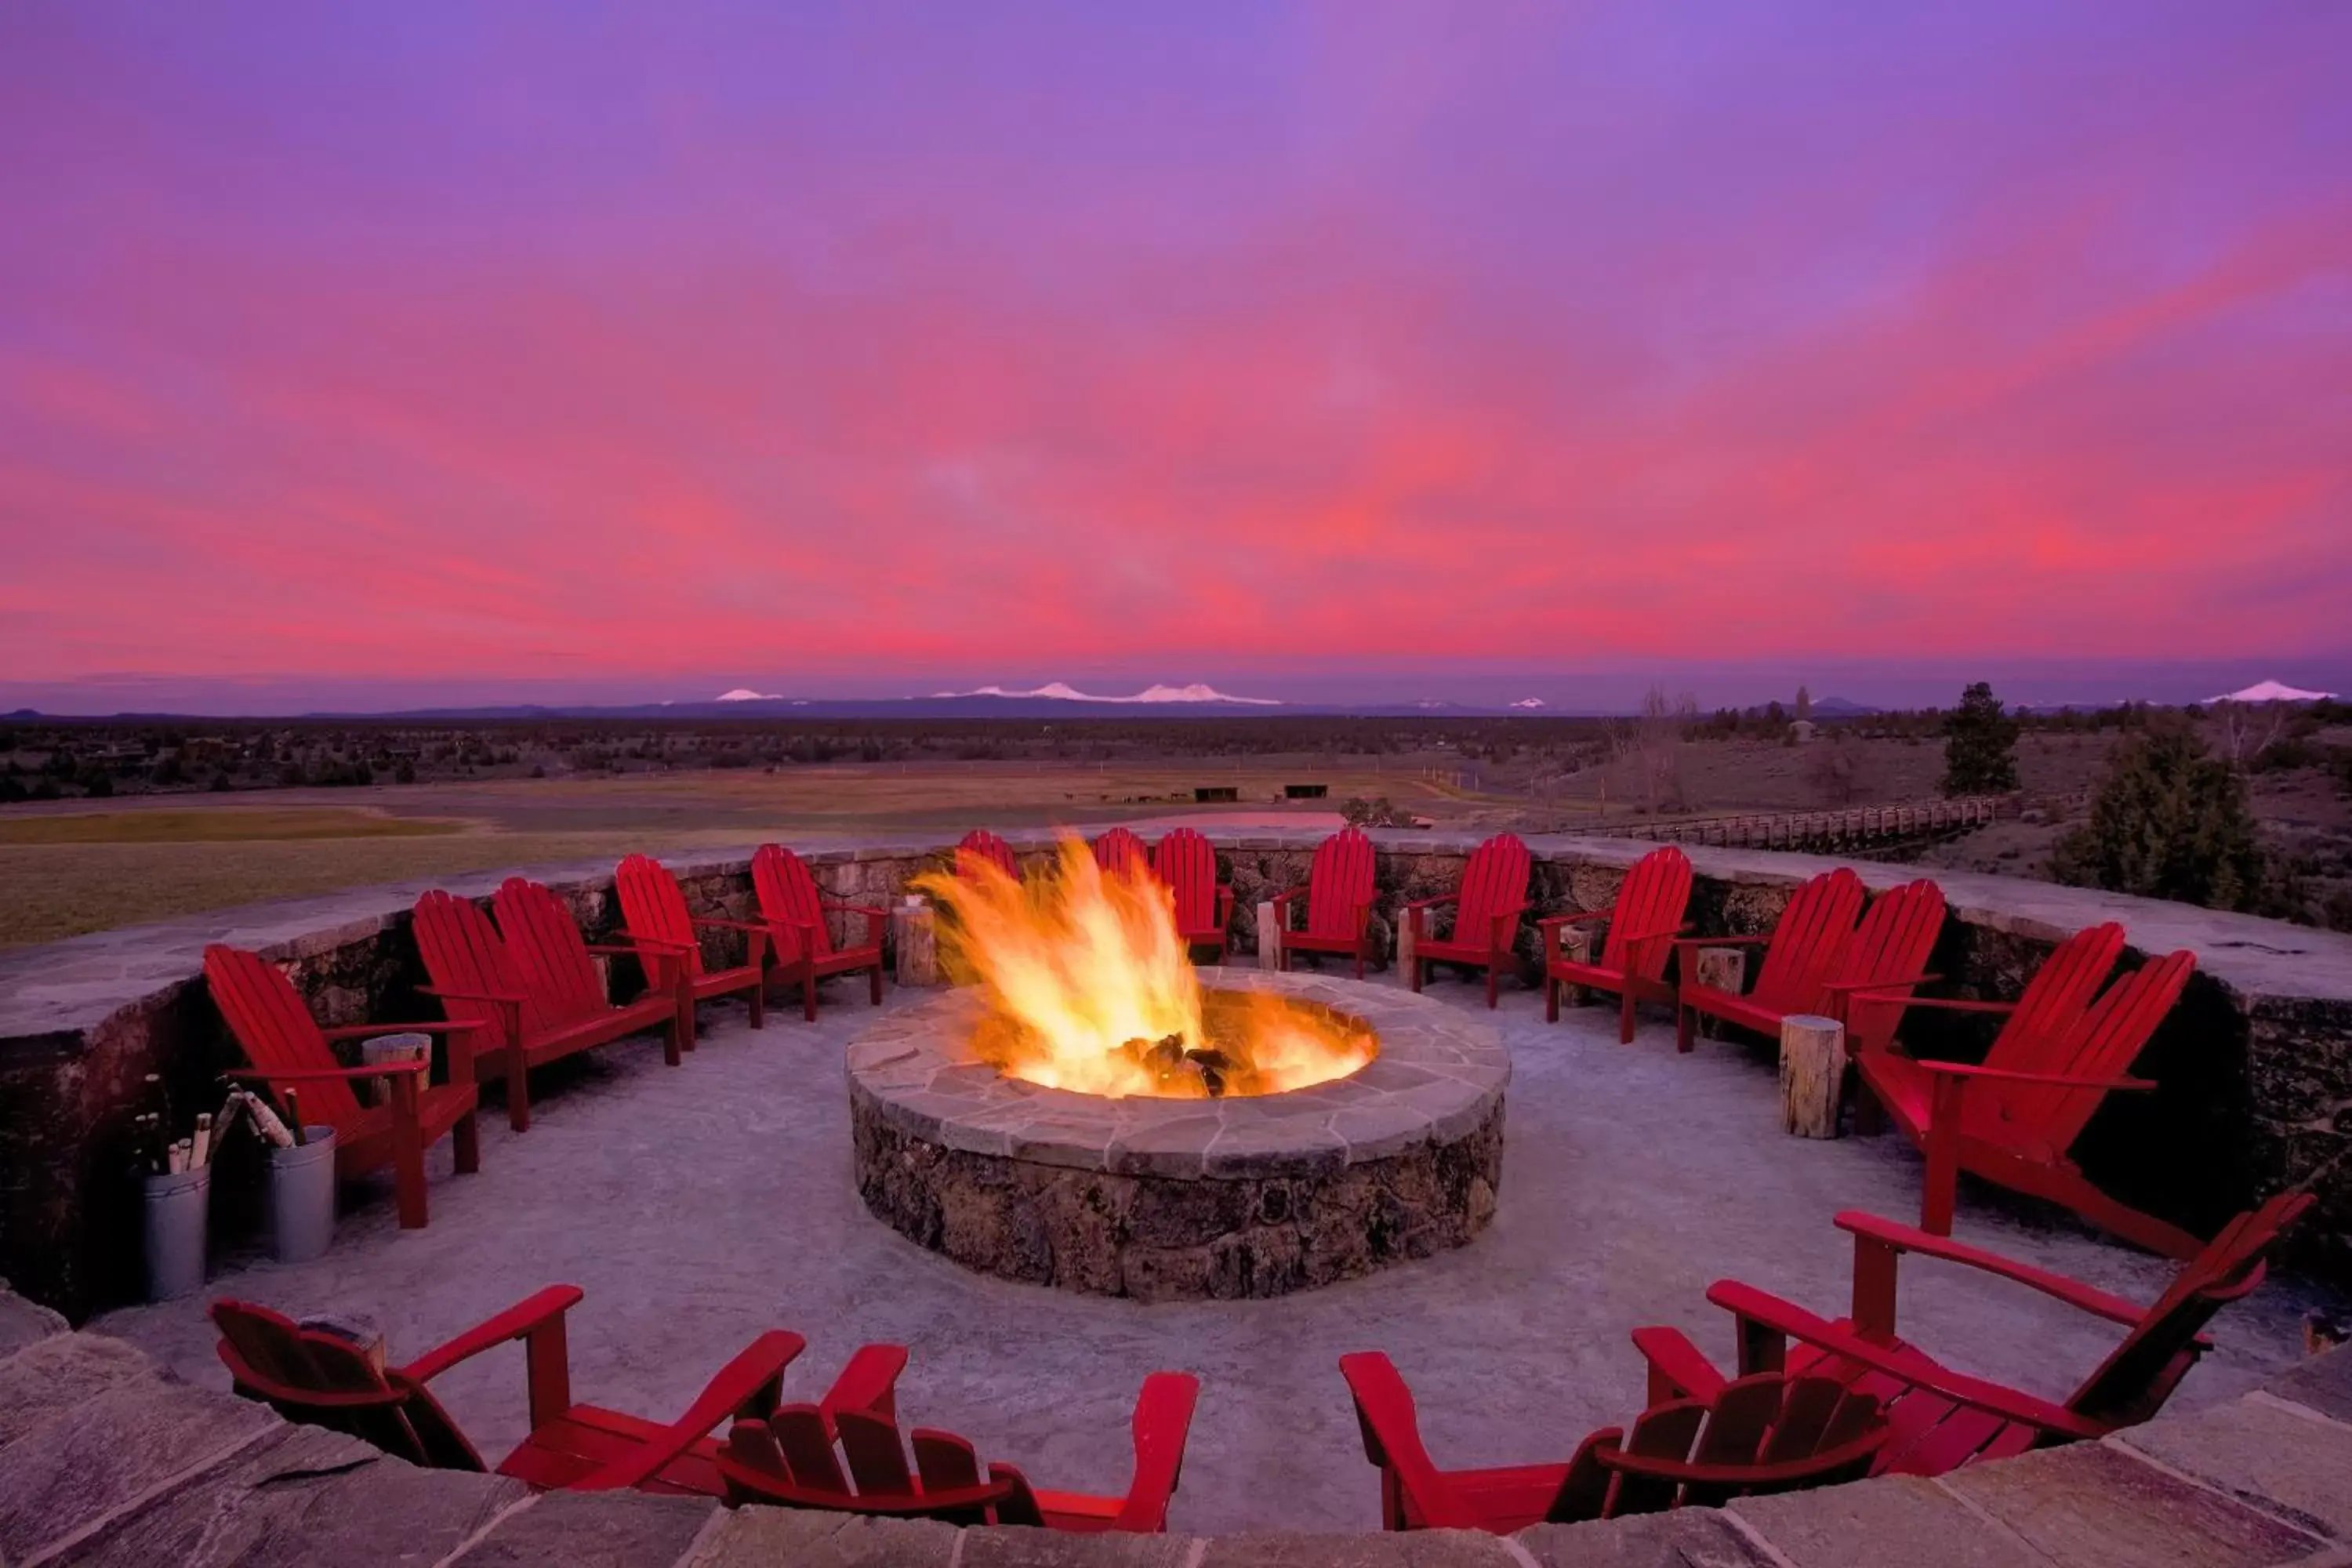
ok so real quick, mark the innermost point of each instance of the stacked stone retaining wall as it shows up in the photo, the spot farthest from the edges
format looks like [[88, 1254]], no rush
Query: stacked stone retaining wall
[[2256, 1064]]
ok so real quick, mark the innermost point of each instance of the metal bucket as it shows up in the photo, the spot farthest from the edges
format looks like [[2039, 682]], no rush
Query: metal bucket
[[176, 1212], [302, 1196]]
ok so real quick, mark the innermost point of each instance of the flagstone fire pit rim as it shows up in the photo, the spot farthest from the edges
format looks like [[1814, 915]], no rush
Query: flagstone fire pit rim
[[1439, 1076]]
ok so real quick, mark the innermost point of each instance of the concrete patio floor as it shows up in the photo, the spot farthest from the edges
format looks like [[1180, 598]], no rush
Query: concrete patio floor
[[701, 1204]]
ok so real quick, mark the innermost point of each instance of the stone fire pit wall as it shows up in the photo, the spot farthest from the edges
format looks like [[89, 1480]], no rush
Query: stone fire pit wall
[[1164, 1199], [2256, 1063]]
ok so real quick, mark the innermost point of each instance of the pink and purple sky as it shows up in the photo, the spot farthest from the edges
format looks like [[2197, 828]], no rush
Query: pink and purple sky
[[418, 352]]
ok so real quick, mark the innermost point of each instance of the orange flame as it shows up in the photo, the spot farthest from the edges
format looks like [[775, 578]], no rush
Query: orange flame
[[1084, 974]]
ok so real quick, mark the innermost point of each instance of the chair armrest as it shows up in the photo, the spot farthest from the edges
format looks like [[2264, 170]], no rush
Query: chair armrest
[[1433, 903], [526, 1316], [1869, 1229], [1949, 1004], [370, 1031], [1760, 939], [713, 923], [658, 943], [309, 1075], [848, 909], [748, 1385], [1586, 917], [1677, 1368], [1163, 1420], [508, 998], [1630, 937], [1863, 987], [1755, 1308], [2050, 1081], [869, 1383], [1224, 905], [1288, 896]]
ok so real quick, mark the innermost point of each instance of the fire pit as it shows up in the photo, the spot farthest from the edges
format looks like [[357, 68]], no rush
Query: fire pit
[[1086, 1113], [1159, 1198]]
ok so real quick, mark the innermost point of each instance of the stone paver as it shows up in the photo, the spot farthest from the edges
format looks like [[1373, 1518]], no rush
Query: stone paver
[[1836, 1527], [2325, 1385], [2276, 1455], [1678, 1539], [700, 1205], [2091, 1506], [303, 1497], [88, 1463], [593, 1529], [765, 1537]]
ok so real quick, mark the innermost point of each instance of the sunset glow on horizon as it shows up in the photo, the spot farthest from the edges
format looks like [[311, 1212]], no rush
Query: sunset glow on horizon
[[954, 343]]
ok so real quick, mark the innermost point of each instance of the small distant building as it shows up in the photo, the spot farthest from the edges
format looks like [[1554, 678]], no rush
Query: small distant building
[[1803, 730], [1305, 791], [1207, 794]]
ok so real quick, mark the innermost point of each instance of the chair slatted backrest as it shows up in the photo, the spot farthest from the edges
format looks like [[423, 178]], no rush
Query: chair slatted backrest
[[1184, 862], [1813, 930], [322, 1380], [550, 955], [462, 952], [1340, 882], [1494, 883], [2103, 1044], [653, 905], [979, 846], [1121, 854], [1891, 943], [788, 894], [855, 1461], [1654, 898], [2057, 997], [2136, 1379], [275, 1029], [1764, 1432]]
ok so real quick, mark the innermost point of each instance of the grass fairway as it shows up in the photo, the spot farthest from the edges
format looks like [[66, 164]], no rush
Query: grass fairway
[[63, 873], [223, 824]]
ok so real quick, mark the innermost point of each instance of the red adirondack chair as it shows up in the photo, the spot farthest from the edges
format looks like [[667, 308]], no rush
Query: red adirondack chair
[[791, 1459], [1121, 853], [1766, 1432], [528, 1023], [322, 1379], [555, 963], [289, 1050], [979, 846], [1339, 896], [1204, 906], [653, 913], [2013, 1119], [795, 913], [1486, 911], [1642, 924], [1942, 1419], [1888, 958], [2057, 995], [1800, 956]]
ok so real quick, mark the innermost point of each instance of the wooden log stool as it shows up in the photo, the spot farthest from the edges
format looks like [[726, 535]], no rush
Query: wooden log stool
[[914, 930], [1812, 1074], [1719, 969], [1269, 937]]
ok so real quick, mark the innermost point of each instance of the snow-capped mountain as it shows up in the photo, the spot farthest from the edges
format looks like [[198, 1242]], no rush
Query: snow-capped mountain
[[1528, 702], [745, 694], [1060, 690], [2273, 691]]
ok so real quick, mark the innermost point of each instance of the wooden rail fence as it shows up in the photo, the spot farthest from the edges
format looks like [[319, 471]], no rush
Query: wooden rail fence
[[1796, 829]]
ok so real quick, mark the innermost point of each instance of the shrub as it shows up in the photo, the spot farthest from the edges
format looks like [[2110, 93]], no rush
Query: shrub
[[1380, 812], [1980, 746], [2169, 820]]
